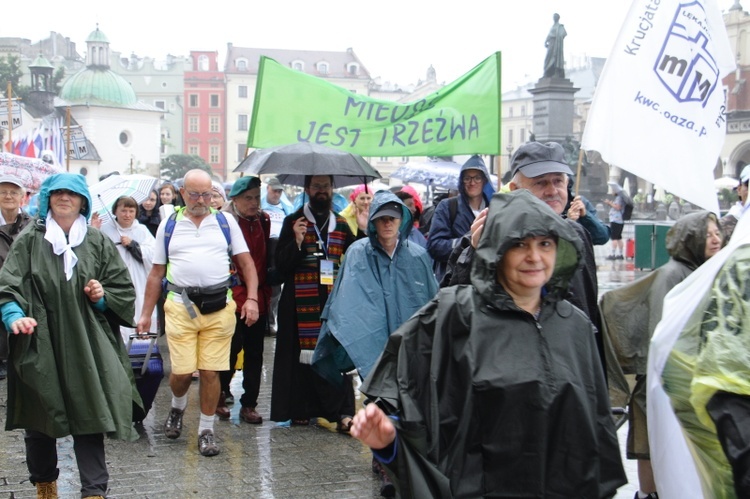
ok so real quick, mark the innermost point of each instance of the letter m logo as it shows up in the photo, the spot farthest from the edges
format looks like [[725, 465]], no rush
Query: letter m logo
[[685, 66]]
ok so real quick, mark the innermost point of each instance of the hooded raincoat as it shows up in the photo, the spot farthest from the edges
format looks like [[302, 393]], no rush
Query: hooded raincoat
[[444, 235], [630, 313], [72, 376], [373, 295], [491, 401]]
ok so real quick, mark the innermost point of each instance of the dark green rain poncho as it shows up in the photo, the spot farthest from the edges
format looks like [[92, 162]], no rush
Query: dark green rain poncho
[[72, 376], [491, 402], [630, 313]]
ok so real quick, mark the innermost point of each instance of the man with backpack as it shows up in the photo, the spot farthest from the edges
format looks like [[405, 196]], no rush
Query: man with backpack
[[453, 216], [194, 250], [616, 220]]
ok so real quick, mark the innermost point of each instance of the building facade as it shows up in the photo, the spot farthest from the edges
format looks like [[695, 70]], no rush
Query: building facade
[[204, 121], [241, 69]]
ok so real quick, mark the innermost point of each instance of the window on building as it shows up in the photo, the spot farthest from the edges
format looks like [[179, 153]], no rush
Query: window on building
[[193, 124], [193, 100], [194, 150], [242, 91], [213, 155], [353, 69], [242, 65], [164, 141], [241, 148], [522, 135], [203, 63], [298, 66], [523, 110], [242, 122], [510, 112], [323, 68], [214, 100], [213, 124], [160, 104], [510, 137]]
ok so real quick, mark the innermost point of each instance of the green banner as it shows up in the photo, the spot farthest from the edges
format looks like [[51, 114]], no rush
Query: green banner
[[460, 118]]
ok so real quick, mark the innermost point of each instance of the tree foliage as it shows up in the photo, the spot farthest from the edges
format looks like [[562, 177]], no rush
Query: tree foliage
[[10, 71], [175, 166]]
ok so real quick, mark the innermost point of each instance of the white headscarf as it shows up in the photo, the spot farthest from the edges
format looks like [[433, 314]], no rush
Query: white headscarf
[[64, 246]]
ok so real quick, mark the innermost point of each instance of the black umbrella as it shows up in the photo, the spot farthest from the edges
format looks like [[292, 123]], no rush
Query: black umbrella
[[292, 162]]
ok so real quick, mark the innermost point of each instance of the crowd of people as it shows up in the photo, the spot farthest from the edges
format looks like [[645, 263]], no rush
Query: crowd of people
[[479, 337]]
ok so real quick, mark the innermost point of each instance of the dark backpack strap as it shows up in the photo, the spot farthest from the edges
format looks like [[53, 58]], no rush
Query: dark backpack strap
[[453, 209]]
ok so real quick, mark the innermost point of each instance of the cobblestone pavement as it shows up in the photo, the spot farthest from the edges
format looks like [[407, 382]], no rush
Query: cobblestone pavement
[[258, 461]]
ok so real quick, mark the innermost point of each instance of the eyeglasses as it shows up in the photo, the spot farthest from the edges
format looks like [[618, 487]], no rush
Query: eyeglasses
[[13, 194], [473, 179], [194, 196]]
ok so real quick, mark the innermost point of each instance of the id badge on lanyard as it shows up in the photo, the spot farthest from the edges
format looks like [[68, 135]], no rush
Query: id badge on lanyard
[[325, 266]]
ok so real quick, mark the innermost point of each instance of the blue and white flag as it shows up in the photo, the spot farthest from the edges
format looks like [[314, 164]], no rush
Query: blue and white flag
[[659, 108]]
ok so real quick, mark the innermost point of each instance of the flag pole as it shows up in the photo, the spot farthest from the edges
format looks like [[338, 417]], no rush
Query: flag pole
[[578, 170], [67, 140], [10, 117]]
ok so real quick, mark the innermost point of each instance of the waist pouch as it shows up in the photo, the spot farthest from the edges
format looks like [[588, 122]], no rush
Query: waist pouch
[[208, 300]]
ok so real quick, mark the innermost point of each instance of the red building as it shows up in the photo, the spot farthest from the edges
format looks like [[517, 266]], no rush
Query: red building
[[205, 110]]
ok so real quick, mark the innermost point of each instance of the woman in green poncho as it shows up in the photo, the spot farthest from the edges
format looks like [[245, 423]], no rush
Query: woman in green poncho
[[62, 289]]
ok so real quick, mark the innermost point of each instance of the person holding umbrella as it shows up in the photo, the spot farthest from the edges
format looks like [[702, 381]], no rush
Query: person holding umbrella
[[135, 244], [311, 244]]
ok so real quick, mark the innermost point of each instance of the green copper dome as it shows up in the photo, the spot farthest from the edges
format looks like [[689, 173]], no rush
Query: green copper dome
[[98, 86], [97, 36], [41, 62]]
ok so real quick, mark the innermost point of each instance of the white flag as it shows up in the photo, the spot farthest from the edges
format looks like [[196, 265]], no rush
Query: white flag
[[659, 108]]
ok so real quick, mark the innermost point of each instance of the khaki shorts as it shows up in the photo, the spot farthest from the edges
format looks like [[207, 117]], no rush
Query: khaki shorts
[[637, 446], [200, 343]]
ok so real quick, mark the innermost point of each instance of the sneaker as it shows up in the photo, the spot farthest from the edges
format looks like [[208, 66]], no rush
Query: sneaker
[[207, 444], [618, 257], [250, 415], [173, 425], [229, 399], [610, 257]]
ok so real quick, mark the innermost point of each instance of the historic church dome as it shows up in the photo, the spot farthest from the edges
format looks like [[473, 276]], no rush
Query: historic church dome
[[96, 84]]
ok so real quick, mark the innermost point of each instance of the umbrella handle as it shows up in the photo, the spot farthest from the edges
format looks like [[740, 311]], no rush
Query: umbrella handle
[[114, 221]]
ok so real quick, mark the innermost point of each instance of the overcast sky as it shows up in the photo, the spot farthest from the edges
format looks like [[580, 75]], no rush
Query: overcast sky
[[395, 40]]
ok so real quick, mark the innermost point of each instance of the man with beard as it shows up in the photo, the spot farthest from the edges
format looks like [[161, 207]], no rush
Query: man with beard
[[199, 308], [311, 244]]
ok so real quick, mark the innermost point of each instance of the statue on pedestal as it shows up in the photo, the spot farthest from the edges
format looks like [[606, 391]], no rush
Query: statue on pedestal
[[554, 62]]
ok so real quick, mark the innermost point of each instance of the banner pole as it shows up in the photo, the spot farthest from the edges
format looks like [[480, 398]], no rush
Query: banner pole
[[10, 117], [578, 170], [67, 141]]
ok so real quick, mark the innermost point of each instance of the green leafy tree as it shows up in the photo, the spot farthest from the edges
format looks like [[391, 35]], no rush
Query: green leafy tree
[[175, 166], [10, 71], [57, 79]]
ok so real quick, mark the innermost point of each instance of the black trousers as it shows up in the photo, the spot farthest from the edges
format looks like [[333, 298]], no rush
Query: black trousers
[[249, 338], [41, 459]]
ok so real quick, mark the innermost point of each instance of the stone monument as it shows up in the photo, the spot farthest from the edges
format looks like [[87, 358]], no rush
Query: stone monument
[[553, 93]]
